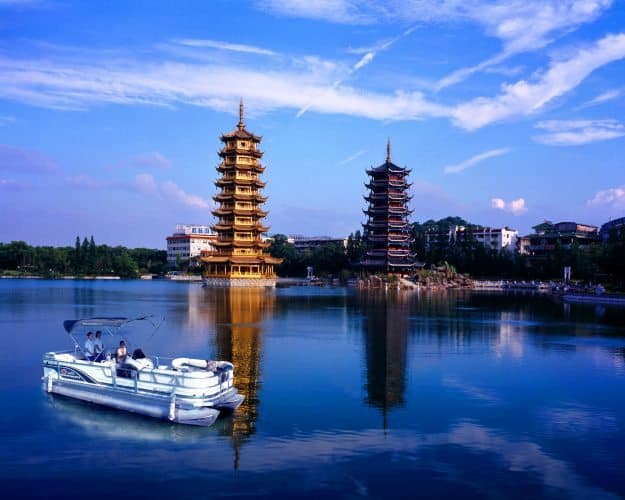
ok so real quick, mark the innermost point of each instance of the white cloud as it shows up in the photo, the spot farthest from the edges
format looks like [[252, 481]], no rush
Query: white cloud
[[351, 158], [336, 11], [606, 96], [216, 44], [578, 132], [6, 120], [515, 207], [79, 81], [521, 25], [151, 160], [525, 26], [143, 183], [25, 161], [524, 98], [172, 191], [85, 181], [362, 62], [459, 167], [146, 184], [612, 197], [13, 185]]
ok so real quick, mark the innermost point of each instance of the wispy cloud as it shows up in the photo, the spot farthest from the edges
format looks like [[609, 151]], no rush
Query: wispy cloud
[[216, 44], [25, 161], [145, 184], [85, 181], [521, 25], [351, 158], [515, 207], [612, 197], [151, 160], [609, 95], [335, 11], [578, 132], [524, 26], [361, 63], [13, 185], [79, 81], [6, 120], [459, 167], [173, 192], [524, 98]]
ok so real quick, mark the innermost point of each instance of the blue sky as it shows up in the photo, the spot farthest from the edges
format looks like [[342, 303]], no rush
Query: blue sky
[[508, 113]]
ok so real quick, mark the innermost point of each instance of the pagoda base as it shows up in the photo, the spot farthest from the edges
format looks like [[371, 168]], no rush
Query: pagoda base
[[239, 282]]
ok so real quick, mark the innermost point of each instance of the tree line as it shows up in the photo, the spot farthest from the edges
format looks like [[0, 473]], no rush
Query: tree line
[[601, 261], [85, 258]]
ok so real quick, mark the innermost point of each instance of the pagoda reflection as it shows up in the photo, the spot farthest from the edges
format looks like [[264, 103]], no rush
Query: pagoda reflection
[[239, 313], [385, 327]]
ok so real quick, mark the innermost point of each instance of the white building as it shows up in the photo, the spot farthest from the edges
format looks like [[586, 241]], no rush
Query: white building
[[493, 238], [187, 242], [497, 238], [310, 243]]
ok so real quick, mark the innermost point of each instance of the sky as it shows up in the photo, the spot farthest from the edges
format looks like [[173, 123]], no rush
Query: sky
[[507, 113]]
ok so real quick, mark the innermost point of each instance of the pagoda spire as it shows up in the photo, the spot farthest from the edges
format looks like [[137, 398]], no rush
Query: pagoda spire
[[388, 150], [241, 125]]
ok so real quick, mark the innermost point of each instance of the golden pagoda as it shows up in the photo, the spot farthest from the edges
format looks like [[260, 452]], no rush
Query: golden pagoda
[[239, 259]]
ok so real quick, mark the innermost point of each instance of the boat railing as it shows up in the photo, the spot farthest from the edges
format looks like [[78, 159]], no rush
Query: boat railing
[[177, 378]]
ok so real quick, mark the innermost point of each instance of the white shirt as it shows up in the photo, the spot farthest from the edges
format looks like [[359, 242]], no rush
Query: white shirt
[[99, 346], [89, 347]]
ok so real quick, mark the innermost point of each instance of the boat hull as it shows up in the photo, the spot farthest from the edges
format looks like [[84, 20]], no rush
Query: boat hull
[[150, 405], [188, 394]]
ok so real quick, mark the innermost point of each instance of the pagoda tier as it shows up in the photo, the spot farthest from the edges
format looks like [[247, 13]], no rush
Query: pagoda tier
[[386, 231], [239, 211], [239, 258]]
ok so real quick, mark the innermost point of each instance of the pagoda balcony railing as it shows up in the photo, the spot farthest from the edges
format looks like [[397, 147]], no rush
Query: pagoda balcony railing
[[387, 224], [228, 167], [403, 185], [381, 211], [258, 198], [397, 196], [383, 186], [228, 150]]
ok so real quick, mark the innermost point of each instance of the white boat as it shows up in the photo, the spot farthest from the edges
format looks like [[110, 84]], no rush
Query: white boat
[[183, 390]]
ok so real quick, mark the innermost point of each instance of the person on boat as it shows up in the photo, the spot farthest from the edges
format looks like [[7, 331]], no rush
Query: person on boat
[[98, 346], [90, 347], [121, 353]]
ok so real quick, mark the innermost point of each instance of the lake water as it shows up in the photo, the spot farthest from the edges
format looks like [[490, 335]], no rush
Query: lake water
[[348, 394]]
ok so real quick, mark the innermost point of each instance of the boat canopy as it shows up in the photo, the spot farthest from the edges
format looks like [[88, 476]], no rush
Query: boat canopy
[[113, 322]]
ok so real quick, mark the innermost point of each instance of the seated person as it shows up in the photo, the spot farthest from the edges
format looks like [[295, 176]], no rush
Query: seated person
[[90, 347], [138, 354], [121, 353]]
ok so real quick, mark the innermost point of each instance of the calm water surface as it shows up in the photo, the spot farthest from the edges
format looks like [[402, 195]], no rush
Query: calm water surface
[[348, 394]]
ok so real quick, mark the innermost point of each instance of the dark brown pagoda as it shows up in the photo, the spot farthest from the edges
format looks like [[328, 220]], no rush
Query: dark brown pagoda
[[239, 259], [386, 231]]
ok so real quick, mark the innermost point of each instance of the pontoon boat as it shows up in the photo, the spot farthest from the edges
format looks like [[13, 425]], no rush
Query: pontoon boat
[[184, 390]]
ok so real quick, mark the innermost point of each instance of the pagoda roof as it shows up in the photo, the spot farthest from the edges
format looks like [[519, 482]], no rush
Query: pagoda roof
[[387, 166], [240, 132]]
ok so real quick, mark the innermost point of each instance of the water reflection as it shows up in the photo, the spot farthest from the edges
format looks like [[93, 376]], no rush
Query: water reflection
[[238, 314], [385, 329], [100, 422]]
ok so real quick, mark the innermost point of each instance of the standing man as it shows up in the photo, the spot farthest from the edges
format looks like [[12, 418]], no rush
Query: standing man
[[98, 346], [90, 347]]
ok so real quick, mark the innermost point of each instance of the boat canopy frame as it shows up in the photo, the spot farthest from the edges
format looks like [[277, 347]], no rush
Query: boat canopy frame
[[111, 325]]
